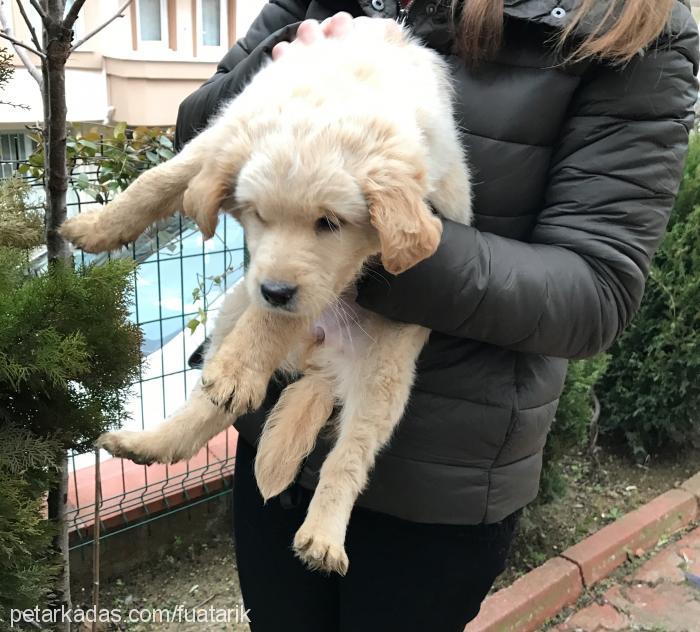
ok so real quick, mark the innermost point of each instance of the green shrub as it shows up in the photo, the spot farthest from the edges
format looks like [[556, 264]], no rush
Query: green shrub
[[68, 355], [68, 352], [27, 566], [572, 423], [651, 391]]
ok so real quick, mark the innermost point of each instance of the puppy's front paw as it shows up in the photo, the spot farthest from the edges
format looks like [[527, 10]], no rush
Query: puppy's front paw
[[320, 550], [143, 448], [231, 385], [91, 232]]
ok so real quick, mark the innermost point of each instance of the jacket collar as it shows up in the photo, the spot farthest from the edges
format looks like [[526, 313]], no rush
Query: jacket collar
[[553, 13]]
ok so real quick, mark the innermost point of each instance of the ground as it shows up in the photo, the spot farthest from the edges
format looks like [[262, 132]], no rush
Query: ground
[[201, 577], [205, 576], [659, 592], [598, 492]]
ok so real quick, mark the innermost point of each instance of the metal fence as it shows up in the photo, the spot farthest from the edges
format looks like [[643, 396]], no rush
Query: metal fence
[[174, 264]]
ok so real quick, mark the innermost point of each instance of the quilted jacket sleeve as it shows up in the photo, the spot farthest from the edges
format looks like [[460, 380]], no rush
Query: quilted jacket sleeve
[[277, 22], [574, 287]]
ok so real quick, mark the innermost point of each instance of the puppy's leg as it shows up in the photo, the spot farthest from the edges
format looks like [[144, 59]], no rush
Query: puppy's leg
[[236, 301], [154, 195], [198, 180], [177, 439], [237, 374], [371, 411], [290, 432], [181, 436]]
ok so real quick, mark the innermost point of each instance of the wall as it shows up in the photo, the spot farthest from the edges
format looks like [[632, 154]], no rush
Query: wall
[[109, 80]]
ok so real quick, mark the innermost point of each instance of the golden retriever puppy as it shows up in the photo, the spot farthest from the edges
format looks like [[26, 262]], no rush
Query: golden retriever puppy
[[330, 156]]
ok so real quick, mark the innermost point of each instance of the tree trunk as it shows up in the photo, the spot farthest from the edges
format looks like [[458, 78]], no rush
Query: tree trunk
[[57, 43], [57, 504]]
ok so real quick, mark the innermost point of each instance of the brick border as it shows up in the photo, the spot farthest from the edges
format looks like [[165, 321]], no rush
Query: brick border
[[131, 492], [531, 599], [539, 595]]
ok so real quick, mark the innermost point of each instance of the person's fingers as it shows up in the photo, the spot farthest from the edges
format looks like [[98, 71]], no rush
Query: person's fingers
[[279, 50], [338, 26], [309, 31]]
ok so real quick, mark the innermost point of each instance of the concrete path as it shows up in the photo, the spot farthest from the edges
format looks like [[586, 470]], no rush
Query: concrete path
[[663, 595]]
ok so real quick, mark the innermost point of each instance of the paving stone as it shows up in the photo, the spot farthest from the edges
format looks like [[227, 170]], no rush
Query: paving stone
[[671, 564], [667, 606], [596, 618], [663, 567]]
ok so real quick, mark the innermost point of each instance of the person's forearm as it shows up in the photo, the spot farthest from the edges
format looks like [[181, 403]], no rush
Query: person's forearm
[[528, 297]]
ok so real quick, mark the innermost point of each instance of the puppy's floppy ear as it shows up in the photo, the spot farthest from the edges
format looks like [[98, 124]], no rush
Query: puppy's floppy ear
[[204, 198], [208, 190], [408, 231]]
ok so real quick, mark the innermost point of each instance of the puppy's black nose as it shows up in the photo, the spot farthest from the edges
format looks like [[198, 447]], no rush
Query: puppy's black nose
[[277, 294]]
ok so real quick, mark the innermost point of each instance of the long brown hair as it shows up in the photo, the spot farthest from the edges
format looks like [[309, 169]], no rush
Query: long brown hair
[[622, 29]]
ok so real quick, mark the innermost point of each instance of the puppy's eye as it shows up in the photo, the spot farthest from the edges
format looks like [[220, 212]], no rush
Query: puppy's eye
[[326, 225], [257, 216]]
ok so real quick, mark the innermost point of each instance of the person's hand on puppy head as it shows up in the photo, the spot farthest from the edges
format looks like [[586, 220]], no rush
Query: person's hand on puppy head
[[311, 31]]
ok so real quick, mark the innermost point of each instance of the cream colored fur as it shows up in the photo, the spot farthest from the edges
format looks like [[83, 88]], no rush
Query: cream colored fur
[[358, 132]]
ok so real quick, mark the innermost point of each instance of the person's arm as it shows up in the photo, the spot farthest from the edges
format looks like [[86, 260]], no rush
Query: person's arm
[[277, 22], [572, 289]]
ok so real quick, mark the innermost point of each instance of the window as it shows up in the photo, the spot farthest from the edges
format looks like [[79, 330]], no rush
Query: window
[[152, 21], [212, 25], [15, 148], [211, 22]]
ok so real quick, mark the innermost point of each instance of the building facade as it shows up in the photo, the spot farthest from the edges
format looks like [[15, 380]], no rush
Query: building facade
[[137, 70]]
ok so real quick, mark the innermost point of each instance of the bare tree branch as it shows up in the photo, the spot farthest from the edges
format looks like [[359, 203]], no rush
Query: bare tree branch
[[29, 24], [6, 33], [17, 42], [118, 14], [19, 106], [73, 13], [38, 8]]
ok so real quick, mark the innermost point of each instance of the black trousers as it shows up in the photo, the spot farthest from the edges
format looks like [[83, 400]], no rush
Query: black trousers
[[403, 576]]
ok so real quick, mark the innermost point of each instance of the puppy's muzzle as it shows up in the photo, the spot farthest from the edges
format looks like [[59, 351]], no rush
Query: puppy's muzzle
[[278, 294]]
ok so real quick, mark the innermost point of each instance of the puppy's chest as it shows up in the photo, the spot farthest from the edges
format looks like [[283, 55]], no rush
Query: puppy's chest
[[350, 333]]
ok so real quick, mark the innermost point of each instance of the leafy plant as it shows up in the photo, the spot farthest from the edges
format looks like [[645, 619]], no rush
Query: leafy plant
[[104, 161], [27, 566], [21, 225], [68, 354], [651, 391], [572, 424], [6, 71], [201, 295]]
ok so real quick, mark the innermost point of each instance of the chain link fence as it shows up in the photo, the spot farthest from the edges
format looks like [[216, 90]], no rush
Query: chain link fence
[[178, 283]]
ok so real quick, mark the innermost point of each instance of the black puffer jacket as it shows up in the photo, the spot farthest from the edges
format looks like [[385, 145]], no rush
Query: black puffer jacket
[[575, 171]]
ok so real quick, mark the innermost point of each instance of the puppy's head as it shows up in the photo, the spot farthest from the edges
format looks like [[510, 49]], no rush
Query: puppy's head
[[316, 204], [305, 221]]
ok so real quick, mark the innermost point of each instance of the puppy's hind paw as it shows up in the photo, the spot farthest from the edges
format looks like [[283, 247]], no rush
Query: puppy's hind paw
[[140, 447], [91, 232], [320, 552]]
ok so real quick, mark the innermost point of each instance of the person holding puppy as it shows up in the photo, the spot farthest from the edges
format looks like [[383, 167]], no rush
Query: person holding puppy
[[575, 118]]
